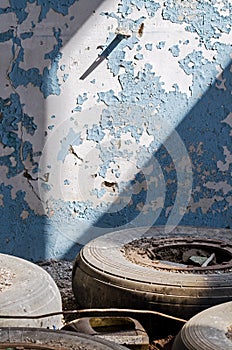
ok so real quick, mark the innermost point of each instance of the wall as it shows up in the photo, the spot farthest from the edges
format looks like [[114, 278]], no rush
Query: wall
[[145, 139]]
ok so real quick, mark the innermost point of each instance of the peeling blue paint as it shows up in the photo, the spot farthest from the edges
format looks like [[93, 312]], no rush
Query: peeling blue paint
[[26, 35], [80, 101], [14, 230], [148, 46], [138, 56], [175, 50], [116, 57], [60, 6], [46, 187], [48, 82], [126, 6], [203, 19], [95, 133], [65, 77], [103, 168], [73, 139], [18, 7], [5, 36], [194, 63], [12, 116], [82, 98], [99, 193], [136, 104], [160, 45]]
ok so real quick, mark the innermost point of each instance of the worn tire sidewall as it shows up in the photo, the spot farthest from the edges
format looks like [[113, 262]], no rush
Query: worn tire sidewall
[[106, 275]]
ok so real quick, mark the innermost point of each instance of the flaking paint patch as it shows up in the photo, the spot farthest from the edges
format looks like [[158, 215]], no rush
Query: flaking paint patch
[[224, 166], [126, 7], [202, 17], [73, 139], [139, 113], [220, 186], [47, 82], [13, 122], [204, 205], [19, 8]]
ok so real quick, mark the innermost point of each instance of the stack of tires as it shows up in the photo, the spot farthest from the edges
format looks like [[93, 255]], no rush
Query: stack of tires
[[26, 290], [104, 277]]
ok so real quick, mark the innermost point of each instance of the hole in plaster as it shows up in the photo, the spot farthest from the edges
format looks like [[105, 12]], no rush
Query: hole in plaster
[[110, 185]]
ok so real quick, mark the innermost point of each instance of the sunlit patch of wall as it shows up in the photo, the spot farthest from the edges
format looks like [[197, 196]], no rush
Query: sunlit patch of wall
[[144, 139]]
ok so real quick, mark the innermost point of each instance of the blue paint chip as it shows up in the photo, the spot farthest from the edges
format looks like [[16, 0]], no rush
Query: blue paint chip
[[126, 7], [77, 109], [18, 7], [59, 6], [27, 150], [13, 117], [5, 36], [73, 139], [175, 51], [65, 77], [138, 56], [148, 47], [103, 168], [46, 187], [107, 97], [116, 57], [99, 193], [48, 82], [160, 45], [26, 35], [82, 98], [95, 133]]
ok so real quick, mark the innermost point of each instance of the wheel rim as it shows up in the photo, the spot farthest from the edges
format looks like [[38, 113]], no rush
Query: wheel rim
[[144, 252]]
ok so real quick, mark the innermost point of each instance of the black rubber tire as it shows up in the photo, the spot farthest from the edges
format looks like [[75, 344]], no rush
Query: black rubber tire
[[207, 330], [34, 338], [27, 289], [121, 330], [103, 277]]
